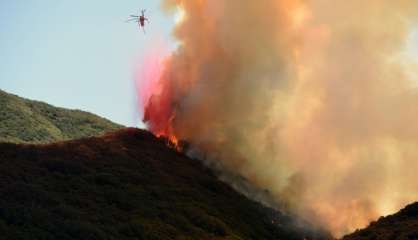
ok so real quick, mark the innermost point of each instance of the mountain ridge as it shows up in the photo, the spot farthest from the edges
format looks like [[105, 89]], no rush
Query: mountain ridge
[[126, 185], [402, 225], [28, 121], [46, 152]]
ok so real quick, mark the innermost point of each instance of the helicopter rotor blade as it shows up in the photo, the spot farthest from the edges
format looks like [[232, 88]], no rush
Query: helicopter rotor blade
[[134, 19]]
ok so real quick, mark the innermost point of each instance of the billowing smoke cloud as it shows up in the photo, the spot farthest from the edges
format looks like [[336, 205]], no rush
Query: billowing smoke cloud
[[308, 99]]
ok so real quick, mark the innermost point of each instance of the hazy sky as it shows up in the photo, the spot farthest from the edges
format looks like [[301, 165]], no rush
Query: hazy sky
[[76, 53]]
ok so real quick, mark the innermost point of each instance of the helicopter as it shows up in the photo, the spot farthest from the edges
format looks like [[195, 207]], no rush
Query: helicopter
[[139, 19]]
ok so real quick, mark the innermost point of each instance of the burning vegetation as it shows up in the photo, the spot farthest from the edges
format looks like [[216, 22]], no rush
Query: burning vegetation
[[311, 100]]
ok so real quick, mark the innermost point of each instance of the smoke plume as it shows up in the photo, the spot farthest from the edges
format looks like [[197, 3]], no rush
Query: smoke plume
[[310, 99]]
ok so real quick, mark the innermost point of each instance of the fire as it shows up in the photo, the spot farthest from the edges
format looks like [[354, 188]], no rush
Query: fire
[[304, 98], [171, 141], [169, 135], [153, 96]]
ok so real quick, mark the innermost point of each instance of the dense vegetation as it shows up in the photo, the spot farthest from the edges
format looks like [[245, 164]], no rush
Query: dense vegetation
[[400, 226], [25, 121], [125, 185]]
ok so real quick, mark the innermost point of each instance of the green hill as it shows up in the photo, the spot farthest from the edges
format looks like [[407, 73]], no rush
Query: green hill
[[126, 185], [26, 121]]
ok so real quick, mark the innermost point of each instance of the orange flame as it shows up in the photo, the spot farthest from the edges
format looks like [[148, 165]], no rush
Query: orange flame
[[171, 142], [168, 133], [154, 99]]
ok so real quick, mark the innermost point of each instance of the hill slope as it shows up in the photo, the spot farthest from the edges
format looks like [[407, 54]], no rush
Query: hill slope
[[26, 121], [400, 226], [125, 185]]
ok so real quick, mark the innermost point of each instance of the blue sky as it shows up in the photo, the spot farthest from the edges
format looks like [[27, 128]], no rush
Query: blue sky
[[78, 54]]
